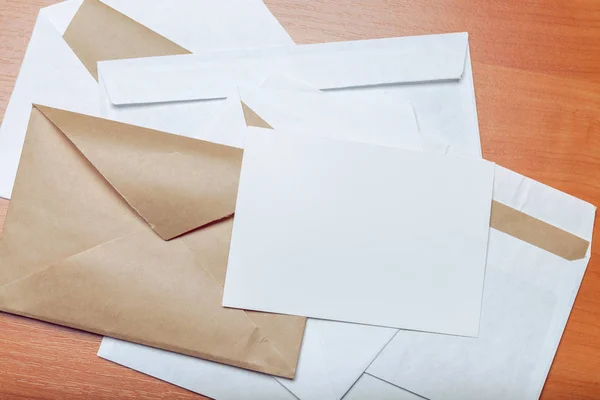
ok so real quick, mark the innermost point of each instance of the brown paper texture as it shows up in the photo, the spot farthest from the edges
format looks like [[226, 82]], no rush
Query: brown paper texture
[[100, 33], [537, 233], [83, 242], [253, 119]]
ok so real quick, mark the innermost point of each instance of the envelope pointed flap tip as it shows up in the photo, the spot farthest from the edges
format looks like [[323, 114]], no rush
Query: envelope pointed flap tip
[[176, 184], [98, 32], [174, 299]]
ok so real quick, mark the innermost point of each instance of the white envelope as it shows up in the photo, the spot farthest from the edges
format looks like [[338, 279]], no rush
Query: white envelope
[[52, 74], [528, 296], [333, 354], [528, 374], [432, 72], [401, 239]]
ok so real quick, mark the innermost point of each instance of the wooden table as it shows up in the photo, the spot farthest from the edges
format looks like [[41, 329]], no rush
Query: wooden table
[[537, 78]]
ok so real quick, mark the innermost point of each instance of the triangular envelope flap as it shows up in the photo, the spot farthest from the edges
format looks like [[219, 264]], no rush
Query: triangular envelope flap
[[142, 289], [98, 32], [175, 183], [323, 66]]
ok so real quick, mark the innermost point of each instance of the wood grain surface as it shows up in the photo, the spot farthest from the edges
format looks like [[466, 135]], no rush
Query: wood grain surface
[[537, 79]]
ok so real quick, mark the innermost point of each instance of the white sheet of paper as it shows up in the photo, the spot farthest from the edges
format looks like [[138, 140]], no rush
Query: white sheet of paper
[[433, 73], [333, 355], [52, 74], [528, 296], [354, 225]]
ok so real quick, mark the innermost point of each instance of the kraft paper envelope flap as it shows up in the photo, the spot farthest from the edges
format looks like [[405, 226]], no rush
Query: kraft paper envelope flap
[[75, 253], [52, 72], [431, 72], [99, 32], [185, 192]]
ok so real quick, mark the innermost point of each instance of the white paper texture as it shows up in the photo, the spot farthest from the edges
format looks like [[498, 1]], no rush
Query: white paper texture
[[51, 74], [527, 299], [433, 73], [354, 225]]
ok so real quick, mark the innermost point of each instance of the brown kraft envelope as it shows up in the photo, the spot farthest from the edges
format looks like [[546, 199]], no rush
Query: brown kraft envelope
[[124, 232], [98, 32]]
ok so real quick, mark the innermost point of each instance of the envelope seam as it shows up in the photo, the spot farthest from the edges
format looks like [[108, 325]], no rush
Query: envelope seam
[[55, 263]]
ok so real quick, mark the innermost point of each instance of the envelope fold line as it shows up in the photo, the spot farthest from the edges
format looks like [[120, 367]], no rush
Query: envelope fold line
[[91, 291], [176, 184]]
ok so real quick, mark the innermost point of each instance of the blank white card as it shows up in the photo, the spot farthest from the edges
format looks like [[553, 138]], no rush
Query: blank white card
[[355, 232]]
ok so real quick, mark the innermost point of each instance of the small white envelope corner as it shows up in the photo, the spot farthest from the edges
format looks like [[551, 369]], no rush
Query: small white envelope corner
[[376, 235]]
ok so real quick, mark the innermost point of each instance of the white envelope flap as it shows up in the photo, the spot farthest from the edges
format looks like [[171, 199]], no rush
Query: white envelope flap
[[376, 118], [324, 66]]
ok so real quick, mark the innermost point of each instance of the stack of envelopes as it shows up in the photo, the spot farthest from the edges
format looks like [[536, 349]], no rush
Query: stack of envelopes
[[253, 219]]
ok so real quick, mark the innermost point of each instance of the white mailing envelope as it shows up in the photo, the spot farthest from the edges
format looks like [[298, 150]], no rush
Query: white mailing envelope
[[333, 354], [528, 296], [52, 73], [432, 72], [532, 295]]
